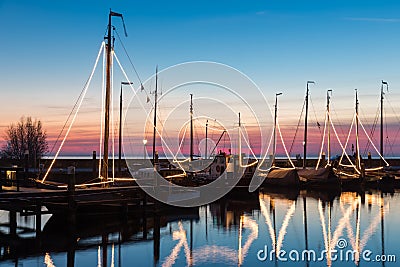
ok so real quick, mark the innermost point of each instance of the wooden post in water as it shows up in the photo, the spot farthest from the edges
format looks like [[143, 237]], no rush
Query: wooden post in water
[[104, 243], [38, 215], [13, 222], [362, 175], [94, 164], [71, 186], [369, 160], [71, 255], [156, 239], [71, 233], [144, 224]]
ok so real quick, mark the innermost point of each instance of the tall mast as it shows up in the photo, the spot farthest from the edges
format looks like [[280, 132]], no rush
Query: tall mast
[[191, 127], [240, 141], [120, 132], [358, 163], [328, 102], [275, 119], [205, 151], [155, 119], [382, 97], [305, 126], [109, 49]]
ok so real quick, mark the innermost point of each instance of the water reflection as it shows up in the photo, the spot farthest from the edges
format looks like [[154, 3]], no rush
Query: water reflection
[[230, 232]]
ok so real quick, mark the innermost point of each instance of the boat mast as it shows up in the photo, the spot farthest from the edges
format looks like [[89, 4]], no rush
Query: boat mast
[[240, 141], [382, 97], [191, 127], [305, 126], [155, 119], [205, 152], [358, 166], [275, 120], [328, 102], [109, 49], [120, 132]]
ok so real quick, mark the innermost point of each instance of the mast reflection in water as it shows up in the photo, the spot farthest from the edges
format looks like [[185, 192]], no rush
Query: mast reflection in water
[[231, 231]]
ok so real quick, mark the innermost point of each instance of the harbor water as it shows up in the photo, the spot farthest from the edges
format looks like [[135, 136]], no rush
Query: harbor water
[[265, 228]]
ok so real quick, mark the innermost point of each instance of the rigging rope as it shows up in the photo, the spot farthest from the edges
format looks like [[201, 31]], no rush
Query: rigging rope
[[372, 131], [398, 120], [129, 58], [315, 115], [251, 150], [80, 100], [102, 114], [180, 146], [344, 148], [141, 104], [297, 128], [362, 126], [283, 144], [323, 141]]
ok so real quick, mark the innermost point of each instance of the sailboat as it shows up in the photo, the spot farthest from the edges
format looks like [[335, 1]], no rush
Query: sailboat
[[205, 170], [388, 179], [318, 176], [106, 165], [169, 171], [194, 170], [280, 176], [102, 193], [354, 171]]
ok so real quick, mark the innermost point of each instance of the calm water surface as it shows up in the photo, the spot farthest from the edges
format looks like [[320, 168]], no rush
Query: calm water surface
[[242, 229]]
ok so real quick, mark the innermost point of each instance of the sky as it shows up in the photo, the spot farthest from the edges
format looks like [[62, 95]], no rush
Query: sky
[[48, 49]]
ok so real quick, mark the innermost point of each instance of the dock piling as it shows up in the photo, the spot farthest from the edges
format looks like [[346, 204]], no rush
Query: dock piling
[[71, 186], [94, 163], [38, 219], [13, 222]]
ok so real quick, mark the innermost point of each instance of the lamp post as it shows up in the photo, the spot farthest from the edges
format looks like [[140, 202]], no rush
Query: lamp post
[[120, 126], [144, 148], [305, 126]]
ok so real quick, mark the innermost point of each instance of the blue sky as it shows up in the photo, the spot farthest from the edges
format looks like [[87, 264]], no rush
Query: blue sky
[[48, 48]]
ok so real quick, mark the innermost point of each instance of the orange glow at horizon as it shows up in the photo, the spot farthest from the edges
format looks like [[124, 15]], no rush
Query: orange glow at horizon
[[85, 138]]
